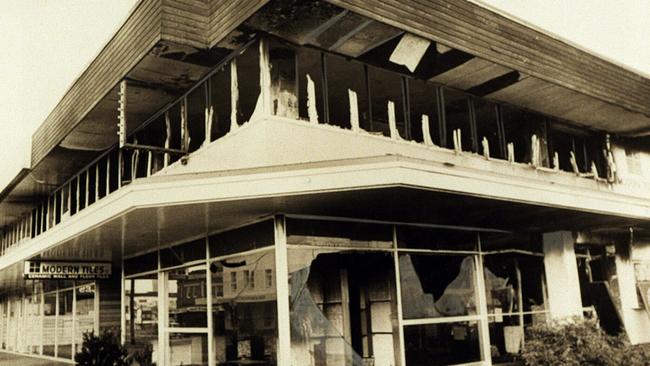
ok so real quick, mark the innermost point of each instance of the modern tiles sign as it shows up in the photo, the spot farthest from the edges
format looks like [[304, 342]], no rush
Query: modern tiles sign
[[67, 270]]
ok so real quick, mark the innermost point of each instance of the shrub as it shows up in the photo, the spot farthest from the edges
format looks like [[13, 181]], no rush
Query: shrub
[[578, 343], [106, 350], [101, 350]]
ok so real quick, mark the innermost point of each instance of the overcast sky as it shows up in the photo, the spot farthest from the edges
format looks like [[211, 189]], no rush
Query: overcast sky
[[46, 44]]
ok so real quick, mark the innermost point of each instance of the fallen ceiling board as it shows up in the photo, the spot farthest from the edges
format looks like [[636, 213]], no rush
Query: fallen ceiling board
[[371, 36]]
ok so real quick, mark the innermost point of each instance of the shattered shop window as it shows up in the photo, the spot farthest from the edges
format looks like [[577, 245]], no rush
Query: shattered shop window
[[343, 308], [433, 287], [436, 286], [516, 298]]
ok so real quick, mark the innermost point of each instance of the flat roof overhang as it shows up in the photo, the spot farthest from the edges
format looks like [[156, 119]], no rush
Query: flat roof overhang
[[165, 46]]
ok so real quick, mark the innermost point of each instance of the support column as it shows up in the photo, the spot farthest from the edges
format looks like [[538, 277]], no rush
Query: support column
[[562, 275], [282, 288]]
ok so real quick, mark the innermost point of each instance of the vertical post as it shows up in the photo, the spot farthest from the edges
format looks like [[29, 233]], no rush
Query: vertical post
[[234, 95], [56, 323], [42, 322], [87, 189], [108, 175], [96, 302], [208, 284], [149, 158], [57, 206], [282, 289], [23, 320], [354, 110], [168, 136], [74, 314], [484, 327], [520, 300], [163, 339], [561, 271], [312, 110], [120, 168], [123, 329], [97, 182], [398, 294], [326, 107], [69, 203], [265, 77], [392, 122], [76, 192], [122, 114], [185, 132], [9, 322]]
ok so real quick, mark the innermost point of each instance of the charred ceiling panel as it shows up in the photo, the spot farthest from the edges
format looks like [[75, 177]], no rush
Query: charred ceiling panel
[[171, 67], [297, 21]]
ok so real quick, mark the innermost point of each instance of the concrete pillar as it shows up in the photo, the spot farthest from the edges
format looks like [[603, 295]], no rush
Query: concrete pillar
[[562, 275]]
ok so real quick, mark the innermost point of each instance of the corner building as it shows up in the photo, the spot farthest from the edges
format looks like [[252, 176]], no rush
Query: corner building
[[334, 182]]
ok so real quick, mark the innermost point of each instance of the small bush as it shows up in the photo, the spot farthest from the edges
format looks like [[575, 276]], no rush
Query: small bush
[[106, 350], [578, 343], [101, 350]]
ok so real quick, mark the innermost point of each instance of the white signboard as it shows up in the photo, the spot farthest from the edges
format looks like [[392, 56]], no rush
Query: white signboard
[[67, 270]]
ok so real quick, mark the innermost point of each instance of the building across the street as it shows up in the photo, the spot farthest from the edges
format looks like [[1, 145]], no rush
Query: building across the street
[[336, 182]]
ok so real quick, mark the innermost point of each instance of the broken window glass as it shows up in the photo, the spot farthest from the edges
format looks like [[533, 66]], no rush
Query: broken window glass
[[310, 63], [423, 100], [434, 286], [284, 91], [343, 308], [344, 75], [487, 127], [220, 97], [196, 104], [248, 81], [457, 118], [519, 127], [514, 283], [245, 315], [385, 87]]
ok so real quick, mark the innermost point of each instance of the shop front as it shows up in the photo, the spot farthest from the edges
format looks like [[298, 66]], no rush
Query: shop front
[[358, 292]]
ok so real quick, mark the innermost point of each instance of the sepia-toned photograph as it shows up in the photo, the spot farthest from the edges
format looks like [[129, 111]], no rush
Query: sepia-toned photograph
[[324, 183]]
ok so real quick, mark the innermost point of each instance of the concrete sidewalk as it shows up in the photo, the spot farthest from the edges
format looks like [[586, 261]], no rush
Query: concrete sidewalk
[[10, 359]]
